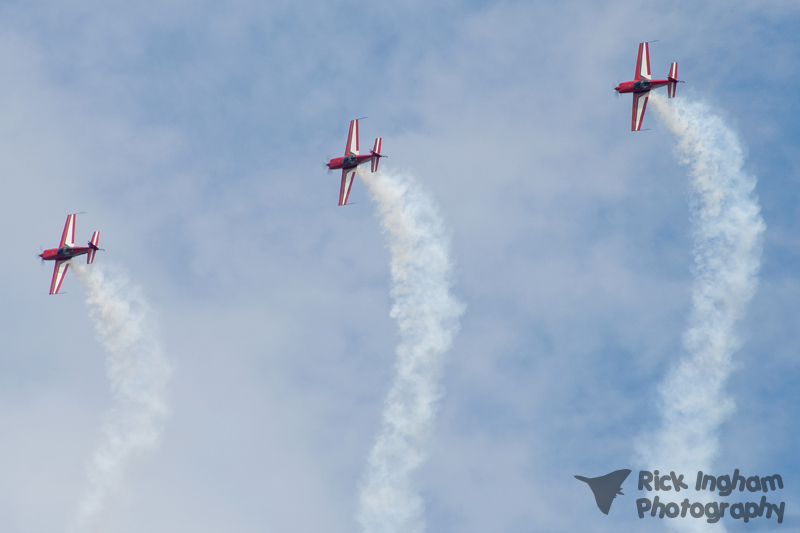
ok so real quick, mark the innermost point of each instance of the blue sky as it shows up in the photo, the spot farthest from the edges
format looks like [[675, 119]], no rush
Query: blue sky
[[194, 135]]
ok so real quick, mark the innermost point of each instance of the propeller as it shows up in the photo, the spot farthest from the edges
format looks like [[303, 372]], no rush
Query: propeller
[[326, 164], [39, 255], [614, 88]]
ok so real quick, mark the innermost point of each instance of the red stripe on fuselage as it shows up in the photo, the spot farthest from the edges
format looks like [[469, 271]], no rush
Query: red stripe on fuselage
[[53, 255], [627, 86], [338, 162]]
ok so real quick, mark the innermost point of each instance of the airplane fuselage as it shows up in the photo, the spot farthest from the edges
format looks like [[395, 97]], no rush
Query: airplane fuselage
[[60, 254], [348, 161], [639, 86]]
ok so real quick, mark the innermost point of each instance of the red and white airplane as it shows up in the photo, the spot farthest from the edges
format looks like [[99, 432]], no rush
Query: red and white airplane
[[66, 251], [642, 85], [349, 163]]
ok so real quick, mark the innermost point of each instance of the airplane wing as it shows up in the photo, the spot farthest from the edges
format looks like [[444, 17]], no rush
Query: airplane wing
[[68, 237], [352, 139], [639, 105], [348, 174], [59, 272], [643, 62]]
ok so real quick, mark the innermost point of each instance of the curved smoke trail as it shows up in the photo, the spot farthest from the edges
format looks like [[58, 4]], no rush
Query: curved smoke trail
[[427, 315], [728, 231], [138, 373]]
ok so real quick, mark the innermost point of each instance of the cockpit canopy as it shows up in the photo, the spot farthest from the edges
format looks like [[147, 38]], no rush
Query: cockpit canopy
[[641, 85], [64, 250], [349, 160]]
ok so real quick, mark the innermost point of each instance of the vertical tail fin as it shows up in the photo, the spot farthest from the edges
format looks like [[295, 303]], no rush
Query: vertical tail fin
[[673, 80], [376, 154], [93, 247]]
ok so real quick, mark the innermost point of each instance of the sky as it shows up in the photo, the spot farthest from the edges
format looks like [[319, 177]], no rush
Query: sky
[[194, 137]]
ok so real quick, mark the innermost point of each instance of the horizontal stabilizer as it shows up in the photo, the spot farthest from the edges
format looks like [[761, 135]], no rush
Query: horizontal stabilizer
[[671, 88], [376, 154], [93, 247], [672, 85]]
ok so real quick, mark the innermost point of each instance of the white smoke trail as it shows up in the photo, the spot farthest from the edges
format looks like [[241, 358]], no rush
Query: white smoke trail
[[728, 230], [427, 315], [138, 373]]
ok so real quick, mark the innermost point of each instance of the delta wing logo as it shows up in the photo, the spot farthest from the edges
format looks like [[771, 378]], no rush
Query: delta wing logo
[[606, 488]]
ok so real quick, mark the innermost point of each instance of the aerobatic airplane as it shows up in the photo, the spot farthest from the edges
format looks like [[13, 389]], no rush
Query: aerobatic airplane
[[642, 85], [66, 251], [349, 163]]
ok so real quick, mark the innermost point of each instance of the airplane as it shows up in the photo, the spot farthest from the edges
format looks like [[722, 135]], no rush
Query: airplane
[[349, 163], [66, 251], [606, 488], [642, 85]]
